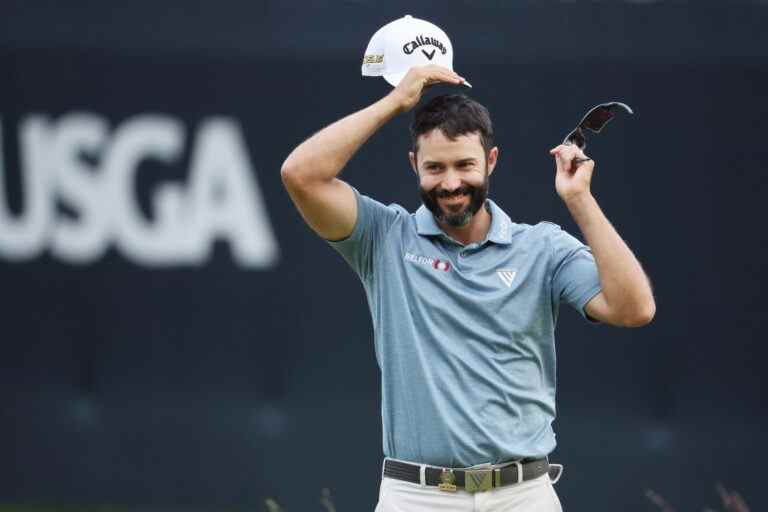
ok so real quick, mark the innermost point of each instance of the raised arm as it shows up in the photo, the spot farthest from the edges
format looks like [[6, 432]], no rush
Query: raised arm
[[626, 299], [310, 172]]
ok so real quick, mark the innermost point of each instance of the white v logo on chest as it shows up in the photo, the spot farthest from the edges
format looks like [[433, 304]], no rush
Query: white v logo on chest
[[506, 276]]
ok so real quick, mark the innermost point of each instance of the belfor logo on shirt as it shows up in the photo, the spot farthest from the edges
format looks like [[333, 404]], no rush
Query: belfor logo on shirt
[[435, 263]]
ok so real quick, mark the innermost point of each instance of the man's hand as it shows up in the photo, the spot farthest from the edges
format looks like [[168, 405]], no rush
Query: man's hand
[[572, 179], [408, 92]]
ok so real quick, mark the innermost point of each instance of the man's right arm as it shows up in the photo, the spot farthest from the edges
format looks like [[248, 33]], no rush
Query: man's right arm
[[327, 204]]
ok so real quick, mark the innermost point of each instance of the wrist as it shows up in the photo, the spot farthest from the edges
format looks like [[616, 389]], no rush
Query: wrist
[[579, 200], [394, 103]]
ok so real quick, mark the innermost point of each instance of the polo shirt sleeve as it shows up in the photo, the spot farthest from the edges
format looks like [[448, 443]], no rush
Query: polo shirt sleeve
[[373, 222], [575, 279]]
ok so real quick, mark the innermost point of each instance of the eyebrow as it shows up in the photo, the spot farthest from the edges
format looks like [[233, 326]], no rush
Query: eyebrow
[[462, 161]]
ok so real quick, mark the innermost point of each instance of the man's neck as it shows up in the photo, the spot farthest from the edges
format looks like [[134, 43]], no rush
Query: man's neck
[[475, 231]]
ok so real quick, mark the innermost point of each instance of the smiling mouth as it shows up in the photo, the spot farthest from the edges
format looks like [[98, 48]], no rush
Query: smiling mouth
[[454, 201]]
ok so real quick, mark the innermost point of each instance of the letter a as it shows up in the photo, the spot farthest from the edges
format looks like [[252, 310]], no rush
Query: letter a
[[224, 198]]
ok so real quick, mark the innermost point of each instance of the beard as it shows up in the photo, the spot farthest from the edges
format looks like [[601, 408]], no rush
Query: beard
[[459, 218]]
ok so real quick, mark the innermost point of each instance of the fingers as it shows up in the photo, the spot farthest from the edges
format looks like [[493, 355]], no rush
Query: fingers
[[408, 92], [568, 157], [558, 159], [435, 74], [563, 156]]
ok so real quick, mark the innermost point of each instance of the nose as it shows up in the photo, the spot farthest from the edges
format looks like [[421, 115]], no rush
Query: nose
[[451, 182]]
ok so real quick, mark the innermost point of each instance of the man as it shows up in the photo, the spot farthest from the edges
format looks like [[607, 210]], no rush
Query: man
[[464, 301]]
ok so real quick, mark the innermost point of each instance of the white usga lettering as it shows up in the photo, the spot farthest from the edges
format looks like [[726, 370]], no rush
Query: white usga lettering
[[24, 237], [157, 242], [222, 200], [85, 237]]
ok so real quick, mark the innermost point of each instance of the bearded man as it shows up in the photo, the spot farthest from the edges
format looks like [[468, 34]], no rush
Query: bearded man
[[464, 301]]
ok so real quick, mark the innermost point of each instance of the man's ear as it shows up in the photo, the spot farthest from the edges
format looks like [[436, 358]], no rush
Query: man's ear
[[412, 158], [493, 156]]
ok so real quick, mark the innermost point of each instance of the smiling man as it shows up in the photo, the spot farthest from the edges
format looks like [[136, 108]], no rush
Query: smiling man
[[464, 301], [453, 158]]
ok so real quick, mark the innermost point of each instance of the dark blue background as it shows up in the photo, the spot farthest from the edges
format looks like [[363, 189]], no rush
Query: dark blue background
[[217, 386]]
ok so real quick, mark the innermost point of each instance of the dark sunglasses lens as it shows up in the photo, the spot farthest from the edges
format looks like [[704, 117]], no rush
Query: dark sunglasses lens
[[597, 118], [594, 121]]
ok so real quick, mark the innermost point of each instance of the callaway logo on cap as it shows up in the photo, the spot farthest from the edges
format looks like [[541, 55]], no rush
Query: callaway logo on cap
[[404, 43]]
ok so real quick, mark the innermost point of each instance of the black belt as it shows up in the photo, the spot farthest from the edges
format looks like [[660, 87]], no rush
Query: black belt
[[470, 480]]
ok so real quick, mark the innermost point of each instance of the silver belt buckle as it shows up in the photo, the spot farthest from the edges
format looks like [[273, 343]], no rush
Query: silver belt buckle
[[478, 480]]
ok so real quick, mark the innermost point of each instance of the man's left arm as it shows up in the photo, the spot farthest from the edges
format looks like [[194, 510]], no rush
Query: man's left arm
[[626, 298]]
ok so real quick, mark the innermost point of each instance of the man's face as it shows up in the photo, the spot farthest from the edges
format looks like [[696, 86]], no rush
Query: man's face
[[453, 175]]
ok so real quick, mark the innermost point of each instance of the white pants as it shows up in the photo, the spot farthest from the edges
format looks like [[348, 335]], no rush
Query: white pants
[[536, 495]]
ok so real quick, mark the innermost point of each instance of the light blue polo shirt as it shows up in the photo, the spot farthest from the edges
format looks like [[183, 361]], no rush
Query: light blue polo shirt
[[465, 334]]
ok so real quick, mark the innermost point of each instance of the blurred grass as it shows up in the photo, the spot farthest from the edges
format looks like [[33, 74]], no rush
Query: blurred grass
[[271, 506], [48, 507], [34, 507], [731, 501], [325, 500]]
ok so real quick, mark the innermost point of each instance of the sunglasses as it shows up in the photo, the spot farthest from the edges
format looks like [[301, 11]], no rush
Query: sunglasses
[[594, 121]]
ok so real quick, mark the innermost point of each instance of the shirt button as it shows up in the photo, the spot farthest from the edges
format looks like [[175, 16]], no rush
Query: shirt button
[[463, 254]]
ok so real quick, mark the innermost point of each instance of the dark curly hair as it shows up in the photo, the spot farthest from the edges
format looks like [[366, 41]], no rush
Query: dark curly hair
[[454, 115]]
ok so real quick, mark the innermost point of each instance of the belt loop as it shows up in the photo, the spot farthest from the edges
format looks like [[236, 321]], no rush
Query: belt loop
[[383, 464], [422, 475], [519, 471]]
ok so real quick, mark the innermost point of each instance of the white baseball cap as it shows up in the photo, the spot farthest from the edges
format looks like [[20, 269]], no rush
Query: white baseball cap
[[404, 43]]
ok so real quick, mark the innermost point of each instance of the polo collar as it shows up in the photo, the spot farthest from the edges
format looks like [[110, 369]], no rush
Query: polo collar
[[500, 232]]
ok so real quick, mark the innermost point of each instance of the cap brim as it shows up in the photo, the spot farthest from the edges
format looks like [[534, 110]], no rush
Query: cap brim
[[396, 78]]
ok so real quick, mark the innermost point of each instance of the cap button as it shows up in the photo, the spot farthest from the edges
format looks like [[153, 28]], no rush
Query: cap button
[[408, 16]]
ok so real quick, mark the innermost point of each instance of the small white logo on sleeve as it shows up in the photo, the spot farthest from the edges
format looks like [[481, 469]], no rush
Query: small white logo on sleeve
[[506, 276]]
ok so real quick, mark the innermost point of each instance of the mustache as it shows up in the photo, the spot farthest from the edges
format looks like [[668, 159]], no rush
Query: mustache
[[461, 191]]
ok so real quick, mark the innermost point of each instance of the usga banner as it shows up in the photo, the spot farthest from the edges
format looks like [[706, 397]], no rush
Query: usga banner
[[78, 175]]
